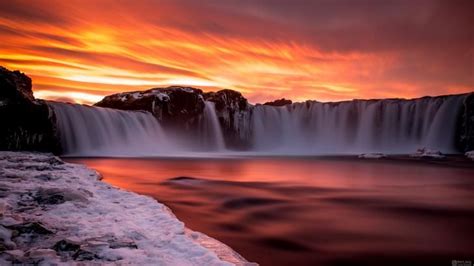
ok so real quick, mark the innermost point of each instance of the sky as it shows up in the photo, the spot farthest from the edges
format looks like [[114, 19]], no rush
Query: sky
[[326, 50]]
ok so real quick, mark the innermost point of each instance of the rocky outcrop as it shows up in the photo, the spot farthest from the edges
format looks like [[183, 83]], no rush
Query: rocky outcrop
[[26, 123], [465, 139], [232, 111], [280, 102], [172, 105], [182, 108]]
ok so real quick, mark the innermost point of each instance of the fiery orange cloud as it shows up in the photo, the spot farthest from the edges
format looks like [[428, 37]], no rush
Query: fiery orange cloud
[[82, 50]]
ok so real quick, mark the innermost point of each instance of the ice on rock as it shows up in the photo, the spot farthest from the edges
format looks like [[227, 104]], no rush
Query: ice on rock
[[72, 216], [372, 155], [427, 153]]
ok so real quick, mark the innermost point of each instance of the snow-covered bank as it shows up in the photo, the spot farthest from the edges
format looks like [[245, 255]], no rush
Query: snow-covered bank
[[57, 212]]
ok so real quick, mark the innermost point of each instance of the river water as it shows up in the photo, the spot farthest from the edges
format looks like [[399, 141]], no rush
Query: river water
[[313, 210]]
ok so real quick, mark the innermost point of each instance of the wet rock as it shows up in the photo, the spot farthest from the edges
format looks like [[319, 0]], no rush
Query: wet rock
[[232, 110]]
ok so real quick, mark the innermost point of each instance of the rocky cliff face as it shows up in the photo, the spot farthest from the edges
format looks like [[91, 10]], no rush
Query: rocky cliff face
[[173, 105], [465, 135], [233, 113], [26, 123], [182, 108]]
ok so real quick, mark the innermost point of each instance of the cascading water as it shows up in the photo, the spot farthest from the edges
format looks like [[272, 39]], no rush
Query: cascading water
[[213, 137], [351, 127], [388, 126], [95, 131]]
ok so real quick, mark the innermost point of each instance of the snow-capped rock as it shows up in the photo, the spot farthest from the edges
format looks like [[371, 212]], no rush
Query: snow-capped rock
[[372, 155], [279, 102], [172, 105], [427, 153], [71, 216]]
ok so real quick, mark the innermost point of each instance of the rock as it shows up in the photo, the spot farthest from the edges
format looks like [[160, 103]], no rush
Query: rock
[[122, 244], [427, 153], [465, 131], [6, 239], [470, 155], [280, 102], [54, 196], [66, 245], [27, 123], [172, 105], [180, 109], [41, 253], [372, 155], [232, 110], [82, 255], [30, 228], [15, 257]]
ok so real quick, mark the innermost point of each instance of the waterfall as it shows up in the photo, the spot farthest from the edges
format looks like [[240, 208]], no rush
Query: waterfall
[[212, 132], [388, 126], [95, 131], [311, 128]]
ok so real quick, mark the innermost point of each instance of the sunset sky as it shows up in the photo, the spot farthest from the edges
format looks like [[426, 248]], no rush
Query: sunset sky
[[81, 50]]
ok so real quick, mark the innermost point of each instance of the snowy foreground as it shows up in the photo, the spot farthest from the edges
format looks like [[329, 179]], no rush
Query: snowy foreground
[[57, 212]]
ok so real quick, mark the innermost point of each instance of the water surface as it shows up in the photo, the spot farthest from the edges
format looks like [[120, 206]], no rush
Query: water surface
[[314, 211]]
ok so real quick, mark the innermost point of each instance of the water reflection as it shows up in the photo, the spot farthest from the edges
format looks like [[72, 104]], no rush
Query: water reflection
[[308, 211]]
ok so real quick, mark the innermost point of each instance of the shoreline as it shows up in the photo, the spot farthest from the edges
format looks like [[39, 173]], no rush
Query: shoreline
[[58, 212]]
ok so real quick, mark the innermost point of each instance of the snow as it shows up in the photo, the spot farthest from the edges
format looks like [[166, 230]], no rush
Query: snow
[[62, 213], [427, 153], [470, 155], [372, 155]]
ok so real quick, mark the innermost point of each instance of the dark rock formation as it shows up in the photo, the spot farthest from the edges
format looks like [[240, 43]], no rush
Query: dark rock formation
[[172, 105], [232, 110], [27, 123], [280, 102], [182, 108], [465, 136]]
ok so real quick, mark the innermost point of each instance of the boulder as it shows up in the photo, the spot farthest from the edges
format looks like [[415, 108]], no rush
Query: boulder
[[27, 123]]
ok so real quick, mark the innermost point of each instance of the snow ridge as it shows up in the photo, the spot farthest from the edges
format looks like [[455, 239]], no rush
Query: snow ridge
[[52, 212]]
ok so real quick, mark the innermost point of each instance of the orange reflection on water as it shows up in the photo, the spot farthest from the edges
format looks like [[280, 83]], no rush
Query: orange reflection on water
[[313, 211]]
